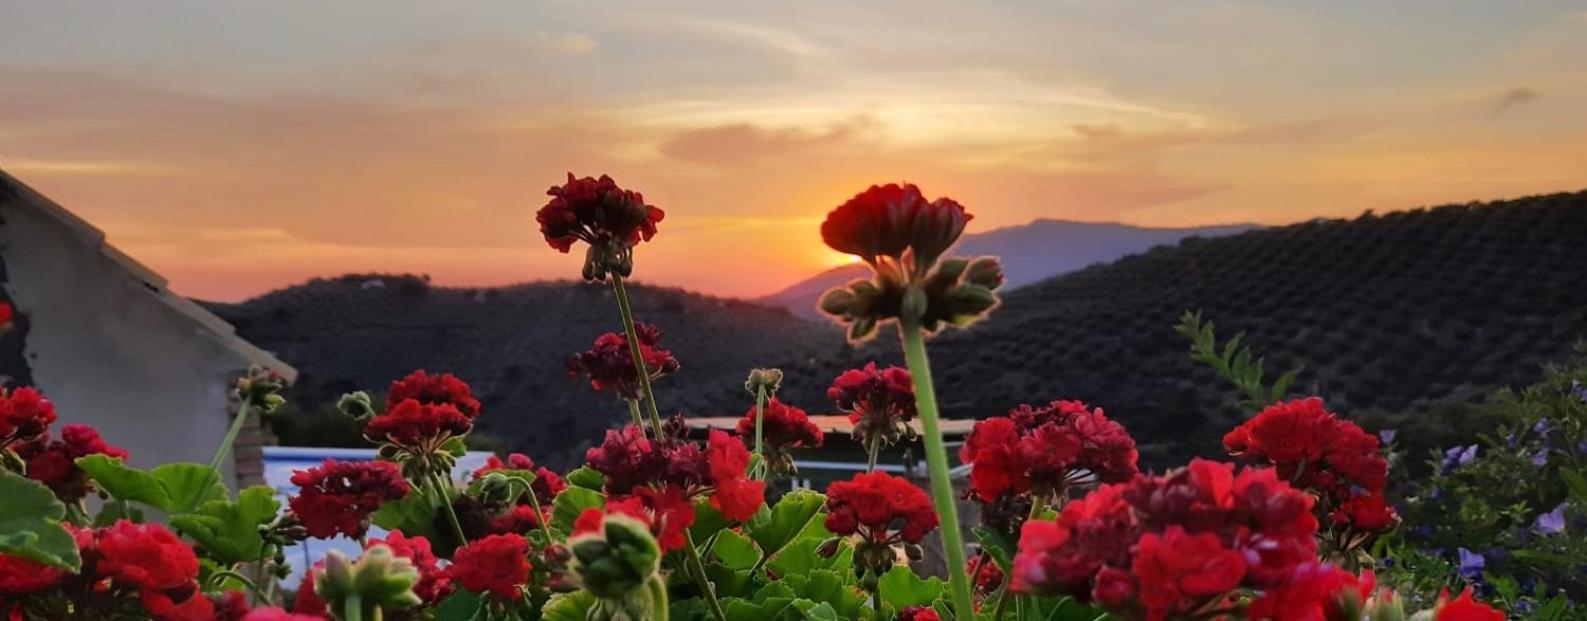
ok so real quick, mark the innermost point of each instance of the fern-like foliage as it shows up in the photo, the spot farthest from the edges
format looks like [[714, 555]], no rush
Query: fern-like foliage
[[1233, 363]]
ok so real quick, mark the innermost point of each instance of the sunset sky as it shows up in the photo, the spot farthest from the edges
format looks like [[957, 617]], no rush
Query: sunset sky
[[238, 147]]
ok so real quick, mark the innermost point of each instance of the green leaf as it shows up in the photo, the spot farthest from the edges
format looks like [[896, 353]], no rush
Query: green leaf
[[188, 485], [901, 587], [766, 609], [229, 531], [573, 606], [816, 612], [414, 515], [776, 528], [570, 503], [735, 551], [30, 523], [1577, 483], [707, 520], [824, 585], [727, 581], [587, 478], [125, 483], [995, 544]]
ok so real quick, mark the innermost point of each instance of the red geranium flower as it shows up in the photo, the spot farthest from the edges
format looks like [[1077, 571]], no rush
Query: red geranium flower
[[1178, 572], [598, 212], [277, 614], [434, 583], [196, 607], [783, 427], [667, 511], [1366, 513], [24, 415], [630, 460], [736, 496], [880, 403], [496, 564], [338, 497], [54, 463], [547, 483], [7, 313], [1046, 450], [885, 221], [918, 613], [417, 426], [307, 602], [985, 575], [1313, 593], [610, 363], [435, 390], [1465, 608], [20, 576], [880, 509], [145, 556]]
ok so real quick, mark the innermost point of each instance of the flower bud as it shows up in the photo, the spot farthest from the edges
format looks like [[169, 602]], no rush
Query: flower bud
[[986, 272], [356, 405], [914, 304], [260, 387], [615, 561], [952, 267], [379, 580], [837, 302], [763, 379], [969, 303]]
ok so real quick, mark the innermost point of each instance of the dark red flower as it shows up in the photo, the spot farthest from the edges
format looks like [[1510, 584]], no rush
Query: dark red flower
[[1465, 608], [145, 556], [496, 564], [880, 509], [24, 415], [417, 426], [598, 212], [434, 583], [7, 313], [667, 511], [1366, 513], [985, 575], [783, 427], [1062, 555], [885, 221], [918, 613], [231, 606], [435, 390], [547, 483], [610, 364], [1178, 571], [628, 458], [879, 402], [161, 607], [307, 602], [338, 497], [53, 463], [1046, 450], [20, 576]]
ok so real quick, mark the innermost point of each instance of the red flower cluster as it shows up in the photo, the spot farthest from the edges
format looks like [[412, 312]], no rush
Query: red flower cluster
[[918, 613], [880, 403], [657, 472], [24, 415], [338, 497], [610, 364], [1465, 608], [547, 483], [783, 427], [443, 388], [53, 463], [1319, 451], [277, 614], [597, 212], [887, 220], [985, 575], [667, 511], [880, 508], [496, 564], [1171, 543], [20, 576], [149, 559], [1045, 450], [434, 582]]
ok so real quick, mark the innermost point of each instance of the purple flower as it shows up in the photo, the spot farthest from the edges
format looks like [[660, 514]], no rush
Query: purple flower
[[1581, 447], [1540, 459], [1542, 427], [1387, 436], [1576, 388], [1512, 440], [1553, 522], [1471, 564], [1458, 456]]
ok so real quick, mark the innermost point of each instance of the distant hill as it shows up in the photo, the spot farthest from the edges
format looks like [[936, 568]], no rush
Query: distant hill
[[1031, 252], [1411, 313]]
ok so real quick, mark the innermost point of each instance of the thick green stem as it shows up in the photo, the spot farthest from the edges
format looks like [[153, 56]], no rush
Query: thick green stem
[[446, 502], [353, 608], [698, 569], [634, 415], [231, 435], [873, 450], [937, 462], [760, 415], [633, 349]]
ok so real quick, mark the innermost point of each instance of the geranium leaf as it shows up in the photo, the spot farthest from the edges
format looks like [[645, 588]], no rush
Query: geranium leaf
[[735, 551], [707, 520], [415, 515], [229, 531], [901, 587], [188, 486], [812, 611], [125, 483], [462, 606], [570, 503], [587, 478], [775, 529], [30, 523], [827, 586], [573, 606], [995, 544]]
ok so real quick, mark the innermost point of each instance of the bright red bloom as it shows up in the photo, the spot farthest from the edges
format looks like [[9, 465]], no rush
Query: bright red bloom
[[19, 576], [496, 564], [24, 415], [880, 508], [277, 614], [435, 390], [631, 461], [1062, 555], [783, 427], [161, 607], [597, 212], [145, 556], [417, 426], [610, 363], [918, 613], [7, 313], [1366, 513], [736, 496], [434, 583], [879, 402], [307, 602], [1319, 451], [231, 606], [1046, 449], [54, 463], [1313, 593], [1178, 572], [547, 483], [338, 497], [1465, 608], [985, 575], [885, 221], [667, 511]]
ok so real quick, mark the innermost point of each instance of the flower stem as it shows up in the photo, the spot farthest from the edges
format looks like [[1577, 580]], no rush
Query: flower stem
[[446, 502], [633, 349], [352, 609], [698, 569], [937, 462], [760, 414], [231, 435], [874, 450], [633, 413]]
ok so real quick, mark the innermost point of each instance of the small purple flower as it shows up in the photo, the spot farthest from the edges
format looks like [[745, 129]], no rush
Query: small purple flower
[[1581, 447], [1458, 456], [1387, 435], [1512, 440], [1579, 390], [1471, 564], [1540, 459], [1553, 522], [1542, 427]]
